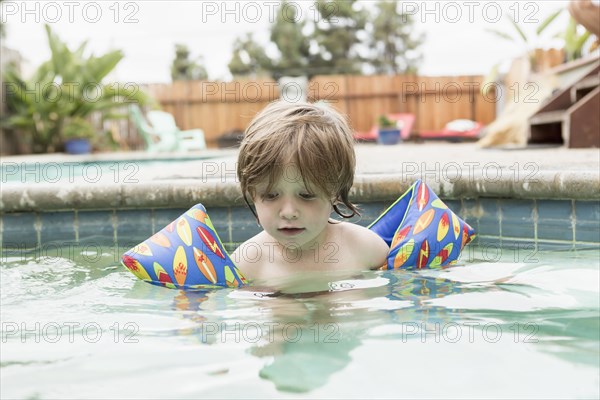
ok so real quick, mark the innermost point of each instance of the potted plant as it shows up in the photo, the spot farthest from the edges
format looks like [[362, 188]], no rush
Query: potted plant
[[81, 94], [389, 133], [77, 135]]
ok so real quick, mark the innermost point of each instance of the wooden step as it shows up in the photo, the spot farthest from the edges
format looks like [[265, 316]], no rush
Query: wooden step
[[589, 82], [584, 122], [583, 87], [548, 117], [570, 117]]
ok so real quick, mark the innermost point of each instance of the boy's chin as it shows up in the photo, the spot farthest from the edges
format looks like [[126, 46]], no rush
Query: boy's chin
[[292, 244]]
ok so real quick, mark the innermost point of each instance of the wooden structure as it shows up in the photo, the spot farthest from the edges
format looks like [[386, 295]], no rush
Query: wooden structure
[[571, 116], [220, 107]]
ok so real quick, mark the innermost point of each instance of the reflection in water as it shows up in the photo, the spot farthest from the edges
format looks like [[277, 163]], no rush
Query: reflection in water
[[306, 361], [308, 336]]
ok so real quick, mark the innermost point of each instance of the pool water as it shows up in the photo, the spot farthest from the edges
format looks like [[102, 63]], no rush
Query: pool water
[[82, 327]]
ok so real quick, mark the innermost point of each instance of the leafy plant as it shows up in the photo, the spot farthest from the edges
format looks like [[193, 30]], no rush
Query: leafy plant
[[292, 43], [184, 69], [338, 38], [529, 42], [394, 43], [385, 122], [67, 86], [2, 27], [518, 35], [574, 41], [78, 128], [249, 58]]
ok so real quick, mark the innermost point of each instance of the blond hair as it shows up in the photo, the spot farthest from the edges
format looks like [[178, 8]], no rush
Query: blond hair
[[315, 138]]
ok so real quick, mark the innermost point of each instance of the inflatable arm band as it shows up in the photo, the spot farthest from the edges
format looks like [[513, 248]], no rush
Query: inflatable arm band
[[421, 230], [188, 254]]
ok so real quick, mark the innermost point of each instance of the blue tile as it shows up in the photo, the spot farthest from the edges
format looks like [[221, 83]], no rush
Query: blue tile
[[454, 205], [517, 209], [243, 225], [470, 212], [242, 232], [57, 227], [461, 211], [470, 206], [554, 210], [369, 213], [555, 230], [220, 219], [473, 223], [230, 247], [587, 232], [588, 211], [489, 207], [134, 225], [164, 216], [488, 217], [488, 228], [19, 229], [95, 226], [518, 228]]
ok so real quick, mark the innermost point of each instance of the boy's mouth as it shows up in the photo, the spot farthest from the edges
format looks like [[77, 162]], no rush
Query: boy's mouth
[[291, 231]]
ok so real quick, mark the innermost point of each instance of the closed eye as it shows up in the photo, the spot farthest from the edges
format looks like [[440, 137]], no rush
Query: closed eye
[[268, 196], [307, 196]]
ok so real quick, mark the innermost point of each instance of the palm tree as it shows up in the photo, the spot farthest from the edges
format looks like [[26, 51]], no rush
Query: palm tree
[[67, 87]]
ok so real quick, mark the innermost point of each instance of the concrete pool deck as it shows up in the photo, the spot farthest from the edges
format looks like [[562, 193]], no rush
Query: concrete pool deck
[[530, 199], [453, 170]]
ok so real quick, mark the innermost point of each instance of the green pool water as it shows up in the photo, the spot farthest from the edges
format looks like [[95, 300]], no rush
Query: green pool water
[[81, 326]]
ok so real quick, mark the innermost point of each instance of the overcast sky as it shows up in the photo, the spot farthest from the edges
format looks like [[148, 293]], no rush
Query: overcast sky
[[146, 31]]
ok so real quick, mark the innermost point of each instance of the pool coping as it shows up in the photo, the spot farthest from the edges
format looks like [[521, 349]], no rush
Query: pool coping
[[383, 173], [182, 193]]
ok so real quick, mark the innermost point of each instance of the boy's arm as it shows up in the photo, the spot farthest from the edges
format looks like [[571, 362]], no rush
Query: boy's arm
[[376, 250], [367, 246]]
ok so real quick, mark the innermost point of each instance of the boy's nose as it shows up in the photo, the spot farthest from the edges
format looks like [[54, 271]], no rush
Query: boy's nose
[[288, 211]]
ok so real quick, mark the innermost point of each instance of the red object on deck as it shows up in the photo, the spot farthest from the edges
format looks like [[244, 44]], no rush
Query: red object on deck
[[457, 130], [404, 121]]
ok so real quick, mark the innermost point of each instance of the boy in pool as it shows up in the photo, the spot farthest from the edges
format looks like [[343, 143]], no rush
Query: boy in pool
[[296, 163]]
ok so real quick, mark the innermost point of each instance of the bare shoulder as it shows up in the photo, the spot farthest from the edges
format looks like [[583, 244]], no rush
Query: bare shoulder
[[369, 246], [248, 256]]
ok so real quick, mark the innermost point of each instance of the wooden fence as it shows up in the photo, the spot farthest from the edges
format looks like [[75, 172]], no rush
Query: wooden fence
[[219, 107]]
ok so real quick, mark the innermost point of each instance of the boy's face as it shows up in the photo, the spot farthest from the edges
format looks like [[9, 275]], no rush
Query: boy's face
[[290, 213]]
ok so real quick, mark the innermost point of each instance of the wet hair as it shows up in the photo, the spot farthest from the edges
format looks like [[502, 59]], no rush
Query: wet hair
[[316, 139]]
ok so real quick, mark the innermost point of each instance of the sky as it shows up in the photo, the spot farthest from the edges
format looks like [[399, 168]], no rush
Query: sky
[[456, 43]]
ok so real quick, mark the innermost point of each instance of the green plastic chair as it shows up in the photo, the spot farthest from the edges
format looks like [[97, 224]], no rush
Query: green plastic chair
[[160, 132]]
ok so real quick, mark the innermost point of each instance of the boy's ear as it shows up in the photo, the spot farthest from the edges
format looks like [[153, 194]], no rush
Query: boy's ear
[[332, 202]]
